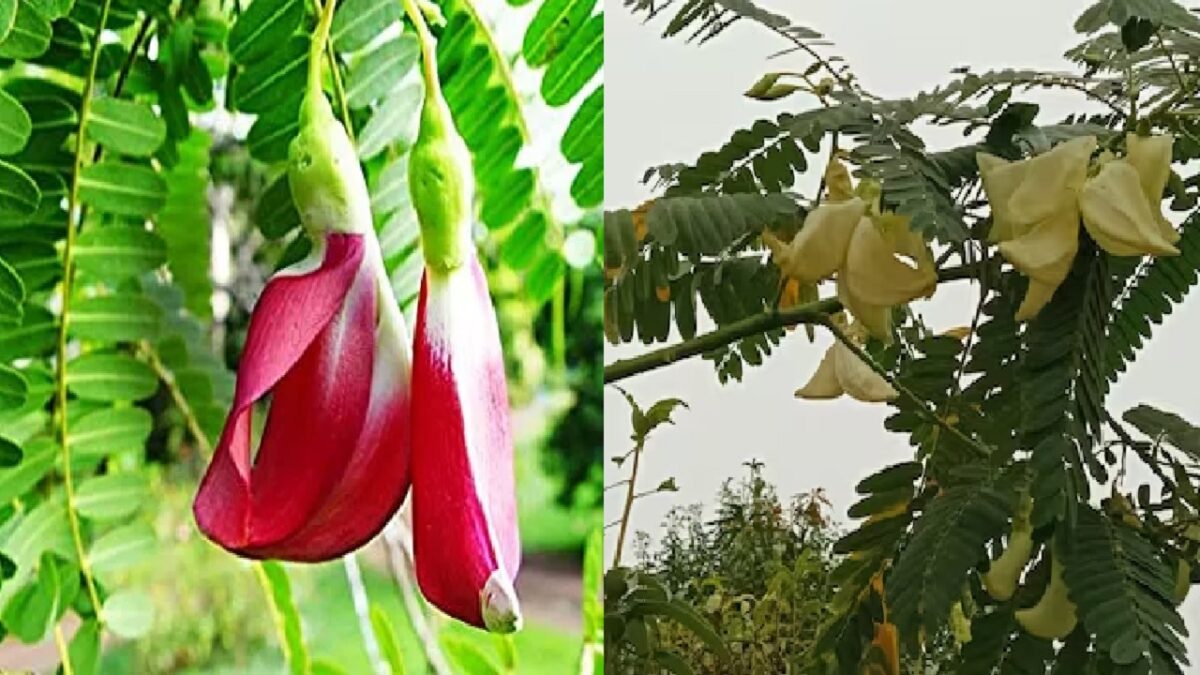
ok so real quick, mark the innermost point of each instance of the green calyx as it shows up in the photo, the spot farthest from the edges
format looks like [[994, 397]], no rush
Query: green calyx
[[439, 170], [327, 183]]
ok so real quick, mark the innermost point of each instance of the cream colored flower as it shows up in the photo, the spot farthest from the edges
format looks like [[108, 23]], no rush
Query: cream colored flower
[[1122, 204], [842, 372], [1035, 214], [1037, 204], [819, 248], [1151, 156]]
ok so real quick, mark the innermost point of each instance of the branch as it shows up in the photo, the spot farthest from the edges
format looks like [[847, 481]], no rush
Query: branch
[[810, 313], [922, 406]]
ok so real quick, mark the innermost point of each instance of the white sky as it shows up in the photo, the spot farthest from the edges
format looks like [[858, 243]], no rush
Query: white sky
[[667, 101]]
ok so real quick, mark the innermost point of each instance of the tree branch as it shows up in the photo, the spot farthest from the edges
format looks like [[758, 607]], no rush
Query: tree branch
[[810, 313]]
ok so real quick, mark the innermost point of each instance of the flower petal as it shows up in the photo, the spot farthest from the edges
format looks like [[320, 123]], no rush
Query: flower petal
[[302, 345], [465, 538], [876, 275], [376, 479], [1049, 183], [1116, 214], [859, 380], [877, 319], [824, 382], [1047, 250], [1151, 157], [1037, 296], [1000, 178], [819, 248]]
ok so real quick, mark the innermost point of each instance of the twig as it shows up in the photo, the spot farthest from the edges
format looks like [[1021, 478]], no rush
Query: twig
[[810, 313], [922, 406], [1129, 442]]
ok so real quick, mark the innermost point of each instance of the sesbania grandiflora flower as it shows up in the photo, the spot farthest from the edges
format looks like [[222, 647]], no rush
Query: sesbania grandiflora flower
[[842, 372], [1037, 204], [465, 539], [327, 342], [878, 260]]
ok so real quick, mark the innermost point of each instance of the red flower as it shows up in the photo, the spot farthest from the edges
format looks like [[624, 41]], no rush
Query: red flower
[[465, 539], [327, 343]]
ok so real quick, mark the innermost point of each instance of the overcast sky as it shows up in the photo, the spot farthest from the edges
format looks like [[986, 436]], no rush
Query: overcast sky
[[667, 101]]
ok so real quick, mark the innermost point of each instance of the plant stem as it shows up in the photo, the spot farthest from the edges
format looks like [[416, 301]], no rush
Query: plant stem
[[320, 39], [629, 497], [335, 74], [558, 324], [168, 379], [810, 313], [922, 406], [362, 609], [74, 211], [395, 536], [64, 651]]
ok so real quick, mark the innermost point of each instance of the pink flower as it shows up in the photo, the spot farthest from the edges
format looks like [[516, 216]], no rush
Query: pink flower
[[327, 343], [465, 539]]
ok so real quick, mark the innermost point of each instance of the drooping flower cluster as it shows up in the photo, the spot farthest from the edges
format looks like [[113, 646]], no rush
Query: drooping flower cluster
[[878, 261], [351, 423], [1037, 204]]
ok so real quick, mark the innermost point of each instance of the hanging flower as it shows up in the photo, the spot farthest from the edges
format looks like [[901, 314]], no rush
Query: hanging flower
[[887, 264], [465, 539], [819, 249], [842, 372], [879, 261], [1037, 204], [327, 342]]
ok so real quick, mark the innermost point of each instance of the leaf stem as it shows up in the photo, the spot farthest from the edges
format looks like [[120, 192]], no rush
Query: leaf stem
[[168, 379], [362, 609], [335, 74], [320, 38], [64, 652], [74, 212]]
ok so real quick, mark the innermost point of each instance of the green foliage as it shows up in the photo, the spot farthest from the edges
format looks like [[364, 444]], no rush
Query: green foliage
[[1019, 409], [1125, 597], [1149, 296], [116, 340]]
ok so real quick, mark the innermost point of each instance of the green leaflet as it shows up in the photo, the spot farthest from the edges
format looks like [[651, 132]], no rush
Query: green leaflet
[[122, 188], [357, 22], [19, 194], [379, 71], [126, 127], [111, 377], [579, 61], [15, 123], [262, 27], [29, 36], [117, 252], [128, 613]]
